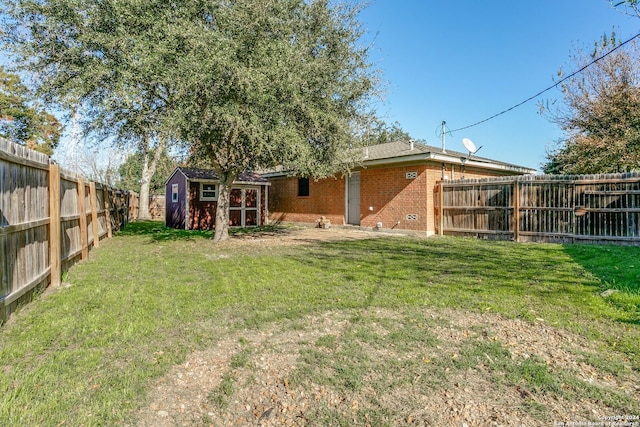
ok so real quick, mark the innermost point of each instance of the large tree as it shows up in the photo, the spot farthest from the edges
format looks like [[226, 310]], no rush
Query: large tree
[[132, 170], [246, 84], [630, 7], [273, 83], [22, 120], [99, 60], [600, 113]]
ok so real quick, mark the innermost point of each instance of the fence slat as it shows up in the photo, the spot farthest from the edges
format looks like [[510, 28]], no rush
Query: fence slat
[[94, 214], [545, 208], [82, 209], [43, 221]]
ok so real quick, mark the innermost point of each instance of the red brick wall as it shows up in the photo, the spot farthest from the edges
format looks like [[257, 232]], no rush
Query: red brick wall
[[386, 189], [387, 196], [326, 198]]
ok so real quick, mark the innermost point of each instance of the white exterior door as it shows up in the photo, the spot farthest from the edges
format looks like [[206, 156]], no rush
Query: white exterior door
[[353, 199]]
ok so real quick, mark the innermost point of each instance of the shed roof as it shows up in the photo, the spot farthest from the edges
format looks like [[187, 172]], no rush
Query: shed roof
[[198, 174]]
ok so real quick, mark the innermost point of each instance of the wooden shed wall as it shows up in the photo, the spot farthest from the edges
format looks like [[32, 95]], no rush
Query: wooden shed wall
[[202, 213], [175, 212]]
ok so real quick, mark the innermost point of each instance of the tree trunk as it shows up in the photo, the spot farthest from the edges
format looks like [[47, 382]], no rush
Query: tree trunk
[[144, 195], [222, 210], [148, 169]]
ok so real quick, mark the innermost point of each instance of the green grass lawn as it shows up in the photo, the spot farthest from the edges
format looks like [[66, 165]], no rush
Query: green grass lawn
[[146, 299]]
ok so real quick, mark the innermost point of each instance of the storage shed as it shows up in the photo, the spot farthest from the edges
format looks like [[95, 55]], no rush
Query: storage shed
[[192, 199]]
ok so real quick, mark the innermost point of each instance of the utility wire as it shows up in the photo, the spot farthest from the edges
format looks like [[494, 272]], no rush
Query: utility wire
[[550, 87]]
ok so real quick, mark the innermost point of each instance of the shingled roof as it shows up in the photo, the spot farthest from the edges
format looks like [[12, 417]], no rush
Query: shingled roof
[[400, 149], [411, 151], [198, 174]]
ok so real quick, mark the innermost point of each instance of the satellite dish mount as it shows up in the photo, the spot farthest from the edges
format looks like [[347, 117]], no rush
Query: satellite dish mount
[[471, 148]]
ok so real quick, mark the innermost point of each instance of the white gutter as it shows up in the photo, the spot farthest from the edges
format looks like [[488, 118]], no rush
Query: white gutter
[[217, 181], [422, 157], [394, 160], [249, 183], [481, 164]]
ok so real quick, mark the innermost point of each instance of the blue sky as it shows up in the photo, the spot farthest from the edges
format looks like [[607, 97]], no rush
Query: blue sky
[[463, 61], [467, 60]]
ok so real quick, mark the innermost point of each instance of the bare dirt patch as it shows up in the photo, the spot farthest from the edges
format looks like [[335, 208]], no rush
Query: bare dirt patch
[[262, 368], [298, 235], [383, 367]]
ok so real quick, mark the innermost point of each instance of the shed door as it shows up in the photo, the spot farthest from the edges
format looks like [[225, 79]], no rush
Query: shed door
[[244, 207], [353, 199]]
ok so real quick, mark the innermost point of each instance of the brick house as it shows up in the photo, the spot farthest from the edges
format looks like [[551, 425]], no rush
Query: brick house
[[191, 198], [393, 189]]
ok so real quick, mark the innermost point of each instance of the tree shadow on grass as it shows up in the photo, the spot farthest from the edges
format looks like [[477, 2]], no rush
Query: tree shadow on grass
[[476, 272], [156, 231]]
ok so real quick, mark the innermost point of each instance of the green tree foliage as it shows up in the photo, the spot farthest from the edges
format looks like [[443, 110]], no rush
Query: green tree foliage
[[131, 172], [600, 115], [381, 132], [245, 84], [21, 120], [280, 83]]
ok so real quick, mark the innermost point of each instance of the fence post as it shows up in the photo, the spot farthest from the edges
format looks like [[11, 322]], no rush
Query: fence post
[[516, 210], [107, 211], [83, 219], [441, 208], [55, 249], [94, 214]]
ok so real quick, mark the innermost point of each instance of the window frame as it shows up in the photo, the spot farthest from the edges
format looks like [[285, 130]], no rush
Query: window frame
[[175, 191], [204, 198]]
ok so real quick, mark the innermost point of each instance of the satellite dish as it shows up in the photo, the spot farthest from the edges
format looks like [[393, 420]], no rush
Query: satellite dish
[[469, 145]]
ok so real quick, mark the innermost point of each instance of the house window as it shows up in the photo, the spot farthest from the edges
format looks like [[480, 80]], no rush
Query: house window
[[303, 187], [174, 193], [208, 192]]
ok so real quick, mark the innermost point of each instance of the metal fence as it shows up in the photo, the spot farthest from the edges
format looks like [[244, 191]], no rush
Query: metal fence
[[543, 208]]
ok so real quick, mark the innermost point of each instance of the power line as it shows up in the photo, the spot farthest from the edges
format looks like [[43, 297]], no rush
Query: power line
[[550, 87]]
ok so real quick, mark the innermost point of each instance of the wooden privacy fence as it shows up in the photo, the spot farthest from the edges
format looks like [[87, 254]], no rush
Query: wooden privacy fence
[[49, 219], [543, 208]]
